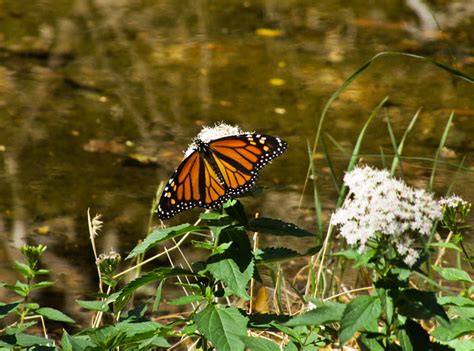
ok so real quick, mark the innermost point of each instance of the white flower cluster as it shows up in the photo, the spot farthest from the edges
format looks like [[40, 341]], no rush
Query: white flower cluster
[[380, 203], [208, 134], [453, 201]]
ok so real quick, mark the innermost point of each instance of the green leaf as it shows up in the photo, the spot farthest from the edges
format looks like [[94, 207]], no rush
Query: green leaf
[[446, 246], [154, 342], [20, 288], [325, 312], [43, 284], [229, 273], [93, 305], [453, 274], [276, 227], [235, 209], [154, 275], [259, 344], [367, 343], [159, 235], [54, 315], [460, 345], [156, 303], [455, 300], [457, 328], [359, 314], [32, 340], [278, 254], [222, 326], [184, 300], [7, 308], [24, 269], [75, 343]]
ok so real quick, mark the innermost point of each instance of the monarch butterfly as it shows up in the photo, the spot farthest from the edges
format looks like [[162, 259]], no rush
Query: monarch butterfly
[[217, 170]]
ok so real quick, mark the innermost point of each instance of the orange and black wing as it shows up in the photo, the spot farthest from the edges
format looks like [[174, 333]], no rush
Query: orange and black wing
[[239, 158], [194, 183]]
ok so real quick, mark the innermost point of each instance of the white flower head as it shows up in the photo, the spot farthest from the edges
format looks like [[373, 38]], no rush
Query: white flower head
[[452, 201], [379, 203], [207, 134]]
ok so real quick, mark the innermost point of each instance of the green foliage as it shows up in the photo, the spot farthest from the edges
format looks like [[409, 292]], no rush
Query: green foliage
[[222, 326]]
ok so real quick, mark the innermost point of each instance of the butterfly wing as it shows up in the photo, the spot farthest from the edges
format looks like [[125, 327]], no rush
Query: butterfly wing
[[194, 183], [240, 157], [229, 168]]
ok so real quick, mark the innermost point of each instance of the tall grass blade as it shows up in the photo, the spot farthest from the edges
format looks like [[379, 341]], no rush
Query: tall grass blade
[[317, 202], [440, 148], [397, 159], [337, 145], [393, 140], [354, 76], [382, 157], [355, 152], [330, 165]]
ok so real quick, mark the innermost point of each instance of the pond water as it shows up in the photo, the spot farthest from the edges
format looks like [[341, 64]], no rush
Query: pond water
[[86, 85]]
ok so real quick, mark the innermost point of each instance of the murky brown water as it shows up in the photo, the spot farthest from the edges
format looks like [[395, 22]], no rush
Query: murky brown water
[[84, 84]]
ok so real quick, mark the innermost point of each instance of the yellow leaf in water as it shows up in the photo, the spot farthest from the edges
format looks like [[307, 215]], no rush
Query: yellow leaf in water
[[260, 302], [269, 32], [279, 110], [43, 230], [277, 82], [2, 148]]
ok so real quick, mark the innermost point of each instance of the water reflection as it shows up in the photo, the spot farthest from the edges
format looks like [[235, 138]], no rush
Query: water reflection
[[85, 84]]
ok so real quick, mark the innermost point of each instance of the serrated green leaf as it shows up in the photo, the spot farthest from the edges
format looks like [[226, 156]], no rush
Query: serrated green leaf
[[235, 209], [259, 344], [154, 341], [460, 344], [278, 254], [222, 326], [455, 300], [93, 305], [7, 308], [159, 235], [154, 275], [325, 312], [32, 340], [229, 273], [457, 328], [276, 227], [184, 300], [54, 314], [367, 343], [453, 274], [77, 342], [358, 315]]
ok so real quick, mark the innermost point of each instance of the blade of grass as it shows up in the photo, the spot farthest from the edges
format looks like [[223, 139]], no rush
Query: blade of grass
[[393, 139], [382, 157], [317, 202], [355, 152], [337, 145], [396, 160], [440, 148], [331, 167], [354, 76]]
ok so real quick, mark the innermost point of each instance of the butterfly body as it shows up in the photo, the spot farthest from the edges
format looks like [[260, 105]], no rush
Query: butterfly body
[[217, 170]]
